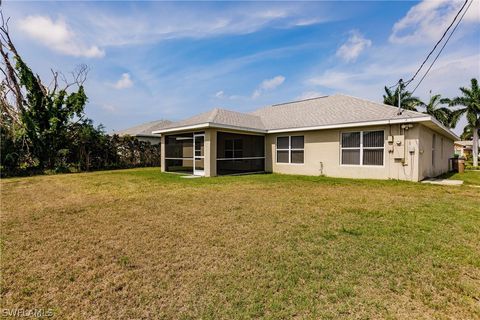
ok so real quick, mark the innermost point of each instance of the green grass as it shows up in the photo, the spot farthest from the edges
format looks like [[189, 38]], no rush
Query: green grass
[[469, 177], [141, 244]]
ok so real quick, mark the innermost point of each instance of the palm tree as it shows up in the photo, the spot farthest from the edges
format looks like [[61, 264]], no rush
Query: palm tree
[[467, 133], [470, 100], [442, 114], [407, 102]]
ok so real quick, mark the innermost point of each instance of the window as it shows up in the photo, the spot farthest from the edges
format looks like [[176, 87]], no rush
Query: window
[[351, 148], [434, 141], [362, 148], [290, 149]]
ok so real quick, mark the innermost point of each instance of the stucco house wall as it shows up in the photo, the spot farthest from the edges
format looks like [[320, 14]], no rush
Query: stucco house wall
[[444, 149], [323, 155], [210, 152]]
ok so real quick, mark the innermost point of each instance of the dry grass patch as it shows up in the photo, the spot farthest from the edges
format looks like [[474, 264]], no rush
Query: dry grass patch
[[141, 244]]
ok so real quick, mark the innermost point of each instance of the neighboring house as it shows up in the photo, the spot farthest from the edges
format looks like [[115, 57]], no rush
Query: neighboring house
[[143, 132], [338, 136], [464, 147]]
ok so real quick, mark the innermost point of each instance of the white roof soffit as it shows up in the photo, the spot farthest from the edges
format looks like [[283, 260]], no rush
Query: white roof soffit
[[444, 129]]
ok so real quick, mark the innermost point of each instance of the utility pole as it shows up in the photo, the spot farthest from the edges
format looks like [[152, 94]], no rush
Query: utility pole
[[400, 87]]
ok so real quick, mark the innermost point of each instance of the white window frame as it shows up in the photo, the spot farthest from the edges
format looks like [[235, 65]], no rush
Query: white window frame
[[361, 148], [289, 149]]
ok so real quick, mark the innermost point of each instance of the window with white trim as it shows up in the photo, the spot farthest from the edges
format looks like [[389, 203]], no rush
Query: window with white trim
[[363, 148], [290, 149]]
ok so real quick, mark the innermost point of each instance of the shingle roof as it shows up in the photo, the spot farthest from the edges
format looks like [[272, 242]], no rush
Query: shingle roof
[[144, 129], [222, 117], [328, 110]]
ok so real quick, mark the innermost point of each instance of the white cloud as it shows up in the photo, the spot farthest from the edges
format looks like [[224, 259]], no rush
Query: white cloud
[[267, 85], [109, 107], [272, 13], [58, 36], [356, 43], [186, 21], [220, 94], [309, 94], [307, 22], [387, 66], [428, 20], [124, 82]]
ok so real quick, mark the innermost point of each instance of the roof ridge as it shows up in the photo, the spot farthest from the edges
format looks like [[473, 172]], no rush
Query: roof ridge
[[213, 115], [238, 112], [379, 103], [295, 101]]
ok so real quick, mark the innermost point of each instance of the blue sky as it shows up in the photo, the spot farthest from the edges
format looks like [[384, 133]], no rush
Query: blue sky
[[170, 60]]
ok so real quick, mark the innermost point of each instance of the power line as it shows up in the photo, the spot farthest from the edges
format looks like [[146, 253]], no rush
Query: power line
[[436, 45], [441, 49], [394, 85]]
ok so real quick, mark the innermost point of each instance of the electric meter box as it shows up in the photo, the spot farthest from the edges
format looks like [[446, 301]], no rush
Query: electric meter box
[[399, 147]]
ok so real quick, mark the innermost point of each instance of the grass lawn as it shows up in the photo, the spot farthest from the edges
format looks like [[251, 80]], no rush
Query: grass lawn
[[140, 244], [469, 177]]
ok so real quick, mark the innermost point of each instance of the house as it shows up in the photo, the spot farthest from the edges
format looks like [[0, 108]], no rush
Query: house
[[338, 136], [464, 148], [143, 132]]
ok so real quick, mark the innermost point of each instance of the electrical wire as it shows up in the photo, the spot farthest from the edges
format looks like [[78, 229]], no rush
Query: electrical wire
[[441, 49], [436, 45]]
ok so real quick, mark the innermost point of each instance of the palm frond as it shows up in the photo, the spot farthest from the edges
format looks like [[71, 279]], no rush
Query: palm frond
[[455, 117]]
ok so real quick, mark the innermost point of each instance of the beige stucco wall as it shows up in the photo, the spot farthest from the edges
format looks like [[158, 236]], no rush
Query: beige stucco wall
[[162, 153], [444, 150], [322, 156], [210, 153]]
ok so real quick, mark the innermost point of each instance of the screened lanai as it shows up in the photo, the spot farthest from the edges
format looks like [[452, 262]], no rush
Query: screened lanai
[[240, 153], [232, 153]]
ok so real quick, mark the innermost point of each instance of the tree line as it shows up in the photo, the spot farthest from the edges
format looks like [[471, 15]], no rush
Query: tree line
[[44, 127]]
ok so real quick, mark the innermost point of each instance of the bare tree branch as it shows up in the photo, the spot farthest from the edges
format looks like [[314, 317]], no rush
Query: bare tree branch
[[10, 71]]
